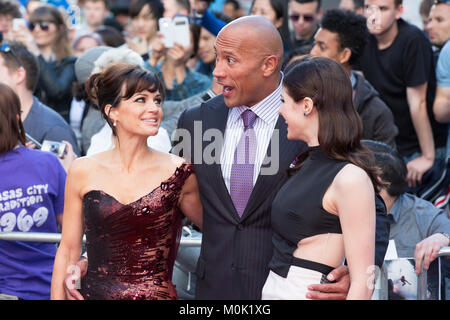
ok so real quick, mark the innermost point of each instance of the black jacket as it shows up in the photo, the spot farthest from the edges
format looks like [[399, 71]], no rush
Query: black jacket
[[54, 87], [377, 118]]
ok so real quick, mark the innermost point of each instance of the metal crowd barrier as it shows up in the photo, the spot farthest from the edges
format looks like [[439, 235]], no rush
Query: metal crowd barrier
[[380, 292], [56, 238], [381, 285]]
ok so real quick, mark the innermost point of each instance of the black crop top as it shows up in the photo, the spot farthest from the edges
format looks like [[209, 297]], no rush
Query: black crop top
[[297, 211]]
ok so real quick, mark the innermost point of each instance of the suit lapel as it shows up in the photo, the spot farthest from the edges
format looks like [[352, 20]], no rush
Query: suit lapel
[[215, 117]]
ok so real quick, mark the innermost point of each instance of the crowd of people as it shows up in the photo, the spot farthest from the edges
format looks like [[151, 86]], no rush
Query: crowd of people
[[323, 138]]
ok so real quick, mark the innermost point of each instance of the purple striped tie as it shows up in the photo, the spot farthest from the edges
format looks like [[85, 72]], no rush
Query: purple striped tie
[[241, 180]]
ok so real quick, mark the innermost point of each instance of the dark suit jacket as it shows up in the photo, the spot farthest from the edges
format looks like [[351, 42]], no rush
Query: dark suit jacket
[[235, 251]]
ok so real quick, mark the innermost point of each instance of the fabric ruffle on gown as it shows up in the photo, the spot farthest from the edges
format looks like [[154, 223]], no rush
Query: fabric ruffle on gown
[[132, 247]]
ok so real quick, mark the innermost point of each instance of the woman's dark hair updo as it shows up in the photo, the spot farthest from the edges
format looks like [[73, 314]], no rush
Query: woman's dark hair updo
[[120, 81], [326, 83]]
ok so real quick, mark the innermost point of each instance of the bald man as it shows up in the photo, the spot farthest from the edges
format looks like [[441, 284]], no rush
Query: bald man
[[237, 196]]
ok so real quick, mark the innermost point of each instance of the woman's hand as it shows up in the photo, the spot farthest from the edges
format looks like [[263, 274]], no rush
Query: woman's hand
[[24, 35], [158, 50], [176, 55], [68, 157]]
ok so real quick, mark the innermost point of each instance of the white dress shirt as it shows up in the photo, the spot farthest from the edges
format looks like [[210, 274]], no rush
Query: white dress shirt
[[267, 112]]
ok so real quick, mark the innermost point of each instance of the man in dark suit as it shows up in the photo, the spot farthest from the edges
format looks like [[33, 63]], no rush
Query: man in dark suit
[[237, 235]]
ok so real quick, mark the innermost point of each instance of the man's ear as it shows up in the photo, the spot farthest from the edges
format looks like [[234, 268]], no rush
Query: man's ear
[[399, 12], [21, 76], [269, 65], [345, 56], [320, 14]]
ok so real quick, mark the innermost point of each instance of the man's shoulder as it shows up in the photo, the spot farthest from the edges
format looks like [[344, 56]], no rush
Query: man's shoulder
[[369, 98], [417, 205], [195, 113], [445, 52], [409, 32], [42, 114], [45, 123]]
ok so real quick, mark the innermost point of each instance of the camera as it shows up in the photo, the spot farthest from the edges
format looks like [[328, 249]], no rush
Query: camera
[[176, 30], [57, 148]]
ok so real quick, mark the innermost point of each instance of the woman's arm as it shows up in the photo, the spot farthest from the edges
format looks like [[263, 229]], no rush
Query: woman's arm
[[69, 250], [354, 199], [190, 203]]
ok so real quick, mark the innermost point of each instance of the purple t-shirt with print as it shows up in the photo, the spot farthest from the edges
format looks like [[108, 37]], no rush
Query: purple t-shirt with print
[[31, 196]]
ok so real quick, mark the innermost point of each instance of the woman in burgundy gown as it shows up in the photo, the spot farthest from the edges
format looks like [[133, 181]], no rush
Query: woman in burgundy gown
[[129, 200]]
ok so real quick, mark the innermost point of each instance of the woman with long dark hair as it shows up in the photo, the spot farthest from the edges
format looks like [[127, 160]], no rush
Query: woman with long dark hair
[[48, 39], [31, 200], [325, 212], [129, 199]]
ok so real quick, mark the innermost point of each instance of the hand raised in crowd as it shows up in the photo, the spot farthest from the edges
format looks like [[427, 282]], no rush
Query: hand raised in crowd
[[158, 50], [416, 170], [68, 157], [30, 145], [428, 250], [138, 45], [24, 35], [176, 55], [332, 291]]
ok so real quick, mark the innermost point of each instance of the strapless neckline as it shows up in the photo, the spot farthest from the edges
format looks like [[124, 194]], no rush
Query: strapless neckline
[[132, 247], [161, 186]]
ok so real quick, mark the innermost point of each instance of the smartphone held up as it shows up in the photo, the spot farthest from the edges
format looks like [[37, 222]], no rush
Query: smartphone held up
[[175, 30]]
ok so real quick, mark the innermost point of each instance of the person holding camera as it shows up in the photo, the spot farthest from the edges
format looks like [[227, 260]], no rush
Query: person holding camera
[[20, 71], [170, 64], [9, 10], [144, 16], [31, 200]]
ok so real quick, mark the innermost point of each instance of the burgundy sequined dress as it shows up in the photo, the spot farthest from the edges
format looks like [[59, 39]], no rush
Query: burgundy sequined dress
[[132, 248]]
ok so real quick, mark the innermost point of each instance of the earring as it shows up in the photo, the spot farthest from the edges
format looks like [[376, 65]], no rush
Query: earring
[[115, 123], [304, 113]]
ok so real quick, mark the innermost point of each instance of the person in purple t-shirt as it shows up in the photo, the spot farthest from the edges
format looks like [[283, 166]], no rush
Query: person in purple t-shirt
[[31, 200]]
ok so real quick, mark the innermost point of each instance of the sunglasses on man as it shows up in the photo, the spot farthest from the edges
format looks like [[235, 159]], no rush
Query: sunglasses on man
[[44, 25], [306, 17]]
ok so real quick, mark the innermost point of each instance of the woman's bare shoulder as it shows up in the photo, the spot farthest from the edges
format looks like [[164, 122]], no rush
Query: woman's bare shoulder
[[87, 164], [171, 159], [351, 176]]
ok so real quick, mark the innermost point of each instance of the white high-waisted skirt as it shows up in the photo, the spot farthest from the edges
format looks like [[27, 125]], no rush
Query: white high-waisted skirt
[[293, 287]]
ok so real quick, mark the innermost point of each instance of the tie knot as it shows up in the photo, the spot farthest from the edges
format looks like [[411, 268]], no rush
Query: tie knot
[[249, 118]]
